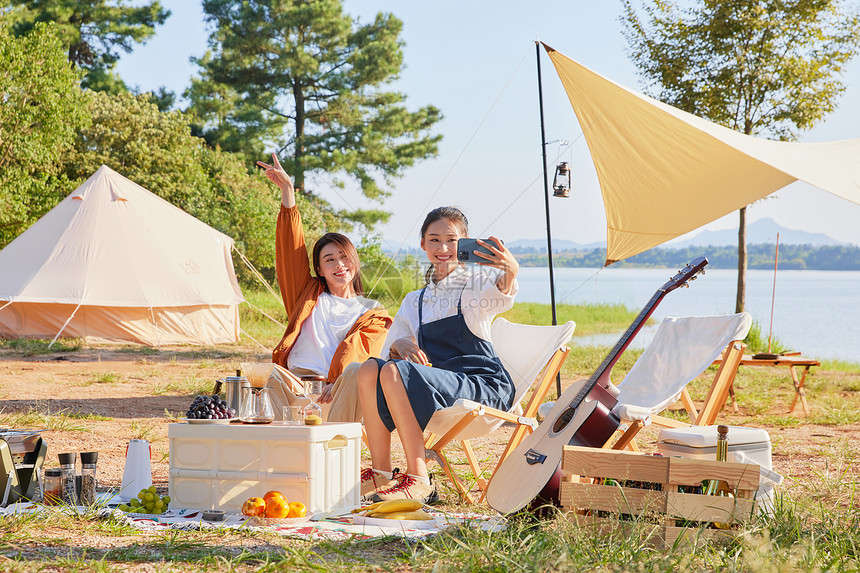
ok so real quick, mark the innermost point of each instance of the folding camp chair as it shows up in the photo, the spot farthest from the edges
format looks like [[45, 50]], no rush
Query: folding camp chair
[[681, 349], [533, 356]]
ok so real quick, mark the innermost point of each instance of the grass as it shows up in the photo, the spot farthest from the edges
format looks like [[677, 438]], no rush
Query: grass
[[803, 534], [39, 347], [189, 385], [63, 420]]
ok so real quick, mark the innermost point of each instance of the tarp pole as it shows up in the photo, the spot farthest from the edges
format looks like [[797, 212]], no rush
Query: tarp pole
[[546, 201], [65, 324]]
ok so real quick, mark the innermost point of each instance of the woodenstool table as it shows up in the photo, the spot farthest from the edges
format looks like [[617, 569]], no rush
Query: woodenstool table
[[793, 362]]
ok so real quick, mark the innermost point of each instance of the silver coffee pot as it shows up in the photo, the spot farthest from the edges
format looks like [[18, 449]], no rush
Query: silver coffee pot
[[233, 388]]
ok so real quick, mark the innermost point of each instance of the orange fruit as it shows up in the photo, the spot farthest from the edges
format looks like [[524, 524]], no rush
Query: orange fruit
[[254, 506], [277, 507], [297, 509], [270, 494]]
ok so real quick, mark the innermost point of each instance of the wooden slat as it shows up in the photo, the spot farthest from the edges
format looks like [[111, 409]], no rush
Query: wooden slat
[[696, 507], [612, 498], [596, 462], [686, 471], [660, 536]]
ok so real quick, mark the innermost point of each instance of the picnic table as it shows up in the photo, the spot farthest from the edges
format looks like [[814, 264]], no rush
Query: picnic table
[[793, 362]]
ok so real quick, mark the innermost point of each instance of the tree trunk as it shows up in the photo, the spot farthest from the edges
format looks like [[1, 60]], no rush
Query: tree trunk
[[299, 153], [742, 260]]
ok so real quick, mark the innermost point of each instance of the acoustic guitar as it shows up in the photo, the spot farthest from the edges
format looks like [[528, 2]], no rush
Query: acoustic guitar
[[582, 416]]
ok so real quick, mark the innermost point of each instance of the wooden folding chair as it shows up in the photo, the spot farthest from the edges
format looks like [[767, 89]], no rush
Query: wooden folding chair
[[681, 349], [533, 356]]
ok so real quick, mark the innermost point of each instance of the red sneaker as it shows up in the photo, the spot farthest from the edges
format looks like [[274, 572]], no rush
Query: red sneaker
[[372, 481], [408, 487]]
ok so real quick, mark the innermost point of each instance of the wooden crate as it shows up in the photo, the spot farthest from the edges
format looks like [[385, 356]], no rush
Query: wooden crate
[[671, 511]]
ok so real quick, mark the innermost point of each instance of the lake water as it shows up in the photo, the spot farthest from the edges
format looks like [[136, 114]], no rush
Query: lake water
[[816, 312]]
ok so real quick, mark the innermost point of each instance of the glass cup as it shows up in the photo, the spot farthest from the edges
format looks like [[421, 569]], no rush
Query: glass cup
[[292, 415]]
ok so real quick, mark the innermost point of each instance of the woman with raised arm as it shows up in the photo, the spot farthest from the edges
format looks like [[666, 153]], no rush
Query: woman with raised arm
[[439, 350], [331, 323]]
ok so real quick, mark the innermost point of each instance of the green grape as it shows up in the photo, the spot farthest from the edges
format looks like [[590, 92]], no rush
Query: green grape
[[148, 497], [165, 499], [141, 495], [124, 508], [134, 502], [157, 511], [151, 489], [159, 504]]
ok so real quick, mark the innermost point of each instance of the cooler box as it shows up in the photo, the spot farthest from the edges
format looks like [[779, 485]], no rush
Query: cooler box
[[220, 466], [746, 445]]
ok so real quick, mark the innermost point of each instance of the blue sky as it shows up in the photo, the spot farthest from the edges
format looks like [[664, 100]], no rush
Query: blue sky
[[476, 62]]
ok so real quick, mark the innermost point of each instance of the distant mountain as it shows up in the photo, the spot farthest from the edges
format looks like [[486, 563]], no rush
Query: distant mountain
[[762, 231]]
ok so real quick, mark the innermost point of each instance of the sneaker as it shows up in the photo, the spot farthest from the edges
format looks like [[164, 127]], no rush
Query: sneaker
[[408, 487], [372, 481]]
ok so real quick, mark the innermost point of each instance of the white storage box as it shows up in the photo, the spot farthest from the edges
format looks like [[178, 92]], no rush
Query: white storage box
[[220, 466], [746, 445]]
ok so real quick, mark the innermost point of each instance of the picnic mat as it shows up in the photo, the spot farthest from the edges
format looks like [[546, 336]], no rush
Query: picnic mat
[[333, 528]]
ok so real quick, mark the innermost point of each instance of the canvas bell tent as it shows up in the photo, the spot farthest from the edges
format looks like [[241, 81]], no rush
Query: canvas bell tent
[[114, 262]]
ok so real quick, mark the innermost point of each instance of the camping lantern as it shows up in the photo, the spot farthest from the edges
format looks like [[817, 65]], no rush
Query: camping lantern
[[561, 181]]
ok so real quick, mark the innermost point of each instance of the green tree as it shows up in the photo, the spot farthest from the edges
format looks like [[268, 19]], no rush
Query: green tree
[[93, 31], [304, 76], [43, 106], [157, 151], [762, 67]]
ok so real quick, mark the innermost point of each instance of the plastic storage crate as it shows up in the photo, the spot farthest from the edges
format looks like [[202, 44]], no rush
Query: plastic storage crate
[[220, 466]]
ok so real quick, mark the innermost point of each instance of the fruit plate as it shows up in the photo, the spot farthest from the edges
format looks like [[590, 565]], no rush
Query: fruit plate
[[204, 421], [397, 523], [282, 521]]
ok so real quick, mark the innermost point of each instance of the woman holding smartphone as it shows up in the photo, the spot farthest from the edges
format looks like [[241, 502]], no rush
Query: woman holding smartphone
[[439, 350], [331, 323]]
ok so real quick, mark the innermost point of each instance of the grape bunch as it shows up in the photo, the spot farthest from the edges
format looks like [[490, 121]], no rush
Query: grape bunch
[[147, 501], [209, 408]]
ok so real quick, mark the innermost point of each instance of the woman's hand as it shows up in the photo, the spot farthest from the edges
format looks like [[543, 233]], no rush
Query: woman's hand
[[500, 258], [279, 177], [407, 349], [325, 396]]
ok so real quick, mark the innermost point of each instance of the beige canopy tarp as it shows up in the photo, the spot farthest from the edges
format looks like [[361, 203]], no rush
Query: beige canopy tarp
[[664, 172], [114, 262]]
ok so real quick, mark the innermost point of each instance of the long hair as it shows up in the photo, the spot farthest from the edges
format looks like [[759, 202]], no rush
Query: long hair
[[348, 248], [452, 214]]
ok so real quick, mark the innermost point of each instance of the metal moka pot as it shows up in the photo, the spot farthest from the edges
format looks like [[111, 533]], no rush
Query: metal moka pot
[[233, 388]]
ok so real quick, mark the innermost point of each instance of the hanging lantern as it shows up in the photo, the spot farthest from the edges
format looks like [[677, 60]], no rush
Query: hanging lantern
[[561, 181]]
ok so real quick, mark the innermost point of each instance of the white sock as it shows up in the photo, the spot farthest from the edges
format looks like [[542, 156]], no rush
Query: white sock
[[385, 474], [425, 479]]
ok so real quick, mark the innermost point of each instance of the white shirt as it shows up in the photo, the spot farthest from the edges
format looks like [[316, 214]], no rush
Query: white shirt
[[326, 327], [481, 302]]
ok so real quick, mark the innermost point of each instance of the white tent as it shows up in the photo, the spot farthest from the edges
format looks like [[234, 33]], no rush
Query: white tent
[[664, 172], [114, 262]]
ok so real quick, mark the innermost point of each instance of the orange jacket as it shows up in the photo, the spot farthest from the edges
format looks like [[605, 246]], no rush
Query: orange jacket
[[300, 291]]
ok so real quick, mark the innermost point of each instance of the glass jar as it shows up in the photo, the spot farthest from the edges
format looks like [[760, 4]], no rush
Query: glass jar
[[52, 486], [67, 477], [88, 477]]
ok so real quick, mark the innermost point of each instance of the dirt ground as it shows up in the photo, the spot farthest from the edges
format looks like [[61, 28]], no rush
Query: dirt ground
[[134, 394]]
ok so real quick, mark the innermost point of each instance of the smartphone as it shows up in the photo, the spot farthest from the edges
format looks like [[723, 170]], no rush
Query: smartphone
[[465, 248]]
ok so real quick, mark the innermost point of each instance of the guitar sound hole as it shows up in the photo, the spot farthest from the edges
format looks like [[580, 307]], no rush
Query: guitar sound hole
[[563, 420]]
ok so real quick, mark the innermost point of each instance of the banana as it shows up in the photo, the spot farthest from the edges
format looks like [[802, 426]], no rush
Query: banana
[[370, 507], [419, 515], [393, 505]]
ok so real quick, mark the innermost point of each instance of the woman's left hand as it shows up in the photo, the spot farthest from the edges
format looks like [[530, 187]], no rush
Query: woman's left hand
[[500, 258], [325, 396]]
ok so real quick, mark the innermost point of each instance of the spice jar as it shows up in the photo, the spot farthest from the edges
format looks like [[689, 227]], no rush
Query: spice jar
[[88, 477], [52, 485], [67, 470]]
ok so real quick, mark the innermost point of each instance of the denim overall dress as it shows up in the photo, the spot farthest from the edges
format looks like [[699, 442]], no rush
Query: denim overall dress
[[463, 366]]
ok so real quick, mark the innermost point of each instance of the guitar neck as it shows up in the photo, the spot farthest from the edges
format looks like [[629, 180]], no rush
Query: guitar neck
[[602, 372]]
